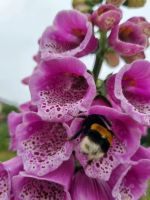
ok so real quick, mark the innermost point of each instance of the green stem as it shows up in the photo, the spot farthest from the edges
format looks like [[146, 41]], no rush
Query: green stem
[[100, 55]]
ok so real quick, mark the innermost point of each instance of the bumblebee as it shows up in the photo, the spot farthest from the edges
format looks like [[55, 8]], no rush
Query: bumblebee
[[96, 136]]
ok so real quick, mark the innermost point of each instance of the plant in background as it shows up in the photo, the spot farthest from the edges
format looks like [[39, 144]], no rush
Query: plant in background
[[81, 136]]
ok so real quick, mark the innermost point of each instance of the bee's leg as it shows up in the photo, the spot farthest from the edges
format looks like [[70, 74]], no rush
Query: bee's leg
[[79, 116], [76, 135], [89, 162]]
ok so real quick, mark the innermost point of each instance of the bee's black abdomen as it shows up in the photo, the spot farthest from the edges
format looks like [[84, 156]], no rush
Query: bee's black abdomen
[[98, 139], [94, 136], [104, 145]]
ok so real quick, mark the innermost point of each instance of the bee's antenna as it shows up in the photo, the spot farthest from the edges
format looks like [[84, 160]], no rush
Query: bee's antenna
[[78, 116]]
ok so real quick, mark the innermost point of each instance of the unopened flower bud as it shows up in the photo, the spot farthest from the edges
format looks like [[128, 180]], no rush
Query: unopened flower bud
[[130, 59], [83, 8], [106, 17], [96, 1], [116, 2], [112, 58], [135, 3], [77, 2]]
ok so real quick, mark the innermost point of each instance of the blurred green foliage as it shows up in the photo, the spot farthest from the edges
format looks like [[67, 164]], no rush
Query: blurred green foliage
[[147, 197], [5, 109], [146, 139]]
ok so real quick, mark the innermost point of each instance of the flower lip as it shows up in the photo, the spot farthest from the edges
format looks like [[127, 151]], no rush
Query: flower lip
[[53, 185], [5, 186], [28, 187], [8, 169], [42, 145], [61, 88]]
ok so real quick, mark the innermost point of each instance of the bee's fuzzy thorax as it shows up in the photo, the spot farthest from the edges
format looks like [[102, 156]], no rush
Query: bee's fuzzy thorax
[[90, 148]]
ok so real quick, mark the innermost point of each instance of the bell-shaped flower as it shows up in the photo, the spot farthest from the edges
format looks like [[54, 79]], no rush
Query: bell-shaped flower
[[54, 185], [127, 39], [115, 133], [8, 169], [106, 17], [61, 88], [131, 91], [130, 181], [70, 35], [83, 188], [42, 145]]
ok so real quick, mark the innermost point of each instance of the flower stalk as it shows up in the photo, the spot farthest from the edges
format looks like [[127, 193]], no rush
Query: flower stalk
[[100, 55]]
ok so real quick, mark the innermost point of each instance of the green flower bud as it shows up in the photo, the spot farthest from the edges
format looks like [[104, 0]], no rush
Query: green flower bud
[[78, 2], [83, 8], [135, 3], [116, 2]]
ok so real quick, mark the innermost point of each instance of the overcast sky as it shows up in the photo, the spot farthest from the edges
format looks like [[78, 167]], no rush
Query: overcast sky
[[21, 24]]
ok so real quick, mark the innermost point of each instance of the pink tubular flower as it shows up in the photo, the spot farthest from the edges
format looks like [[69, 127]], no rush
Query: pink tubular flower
[[14, 119], [52, 186], [123, 131], [28, 106], [61, 88], [110, 84], [131, 89], [141, 154], [42, 145], [84, 188], [8, 169], [25, 80], [130, 181], [70, 35], [106, 17], [128, 39], [37, 56]]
